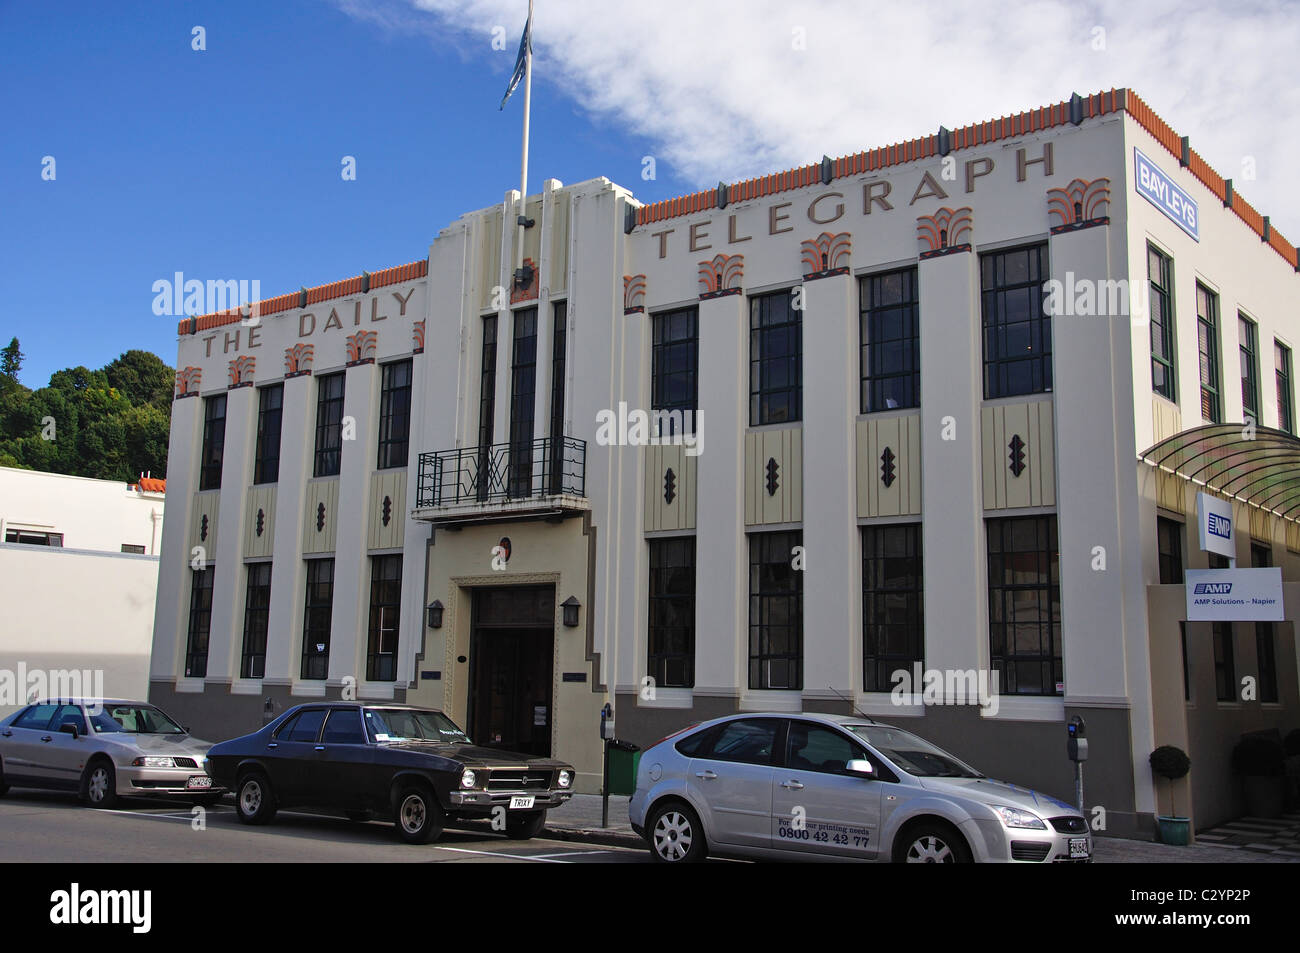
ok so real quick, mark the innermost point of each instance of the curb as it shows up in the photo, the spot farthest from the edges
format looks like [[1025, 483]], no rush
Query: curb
[[586, 835]]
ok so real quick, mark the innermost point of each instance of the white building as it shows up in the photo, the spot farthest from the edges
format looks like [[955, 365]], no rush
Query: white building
[[400, 484], [78, 578]]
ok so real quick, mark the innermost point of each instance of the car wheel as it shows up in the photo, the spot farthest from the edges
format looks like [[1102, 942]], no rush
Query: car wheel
[[99, 784], [932, 844], [525, 826], [676, 835], [254, 800], [417, 815]]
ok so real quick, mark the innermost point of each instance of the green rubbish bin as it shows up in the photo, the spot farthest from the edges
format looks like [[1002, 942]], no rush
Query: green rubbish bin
[[623, 757]]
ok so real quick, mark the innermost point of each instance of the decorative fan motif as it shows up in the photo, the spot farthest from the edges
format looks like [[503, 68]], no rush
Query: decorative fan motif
[[633, 293], [944, 231], [297, 359], [417, 337], [241, 371], [826, 253], [1079, 205], [361, 346], [188, 380], [721, 274]]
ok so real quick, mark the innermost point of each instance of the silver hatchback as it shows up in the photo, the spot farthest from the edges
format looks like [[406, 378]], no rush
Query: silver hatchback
[[832, 787]]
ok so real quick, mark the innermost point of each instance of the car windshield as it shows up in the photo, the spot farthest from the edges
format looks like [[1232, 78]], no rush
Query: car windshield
[[403, 724], [914, 755], [134, 719]]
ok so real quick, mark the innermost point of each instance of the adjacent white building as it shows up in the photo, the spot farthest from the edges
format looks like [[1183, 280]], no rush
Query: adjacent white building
[[919, 396], [78, 578]]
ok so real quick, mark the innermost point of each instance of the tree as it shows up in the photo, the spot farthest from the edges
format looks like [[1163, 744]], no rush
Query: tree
[[11, 362]]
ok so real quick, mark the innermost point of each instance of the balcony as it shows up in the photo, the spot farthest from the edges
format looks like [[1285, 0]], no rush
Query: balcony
[[544, 477]]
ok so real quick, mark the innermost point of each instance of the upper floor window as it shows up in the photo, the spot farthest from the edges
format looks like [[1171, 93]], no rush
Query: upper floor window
[[889, 329], [1282, 378], [1169, 535], [329, 425], [675, 359], [1017, 327], [270, 409], [487, 384], [1248, 350], [34, 537], [1160, 275], [775, 359], [1207, 343], [214, 442], [394, 414]]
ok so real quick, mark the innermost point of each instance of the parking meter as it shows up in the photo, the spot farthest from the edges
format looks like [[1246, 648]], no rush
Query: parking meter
[[1076, 746], [606, 723]]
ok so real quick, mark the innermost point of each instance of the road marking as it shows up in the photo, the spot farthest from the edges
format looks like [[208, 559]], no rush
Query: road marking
[[497, 853], [570, 853]]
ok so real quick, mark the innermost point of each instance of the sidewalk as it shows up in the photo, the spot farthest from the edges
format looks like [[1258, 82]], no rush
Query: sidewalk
[[579, 820]]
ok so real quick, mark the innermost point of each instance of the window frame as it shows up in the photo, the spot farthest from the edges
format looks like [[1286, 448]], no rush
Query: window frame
[[1162, 290], [872, 347], [198, 636], [661, 600], [523, 400], [266, 455], [212, 452], [327, 458], [393, 450], [257, 618], [1208, 352], [875, 566], [1248, 354], [1163, 525], [994, 327], [762, 332], [666, 348], [1048, 596], [385, 593], [311, 619], [1282, 382], [762, 546]]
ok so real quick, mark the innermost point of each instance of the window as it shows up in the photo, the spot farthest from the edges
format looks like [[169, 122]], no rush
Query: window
[[214, 440], [775, 360], [775, 611], [675, 359], [1219, 562], [889, 329], [257, 614], [344, 728], [813, 748], [394, 415], [672, 612], [385, 616], [329, 425], [1017, 328], [1225, 677], [1282, 377], [1261, 557], [893, 634], [559, 337], [36, 718], [31, 537], [303, 727], [196, 645], [747, 740], [1207, 338], [1160, 275], [133, 548], [1170, 538], [523, 394], [270, 410], [316, 618], [1187, 681], [487, 402], [69, 715], [1248, 351], [1025, 604]]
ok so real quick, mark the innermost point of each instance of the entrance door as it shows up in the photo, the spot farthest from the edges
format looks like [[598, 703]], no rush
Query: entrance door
[[511, 653]]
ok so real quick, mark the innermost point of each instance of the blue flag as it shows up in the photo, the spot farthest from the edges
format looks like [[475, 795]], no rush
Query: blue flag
[[525, 48]]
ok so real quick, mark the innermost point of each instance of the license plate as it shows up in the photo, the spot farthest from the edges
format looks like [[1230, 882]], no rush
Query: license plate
[[519, 801], [1079, 847], [198, 783]]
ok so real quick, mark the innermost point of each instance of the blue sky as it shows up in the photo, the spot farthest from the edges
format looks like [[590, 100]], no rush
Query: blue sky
[[225, 163]]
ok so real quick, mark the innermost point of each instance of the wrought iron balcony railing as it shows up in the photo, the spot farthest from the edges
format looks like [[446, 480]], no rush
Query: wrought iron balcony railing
[[503, 472]]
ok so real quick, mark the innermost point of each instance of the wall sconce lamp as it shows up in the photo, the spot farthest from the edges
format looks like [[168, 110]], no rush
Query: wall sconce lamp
[[570, 607], [435, 614]]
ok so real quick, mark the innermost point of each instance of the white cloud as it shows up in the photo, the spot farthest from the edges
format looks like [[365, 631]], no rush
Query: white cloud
[[724, 92]]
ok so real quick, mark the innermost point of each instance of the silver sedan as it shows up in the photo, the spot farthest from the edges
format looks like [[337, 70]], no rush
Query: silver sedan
[[103, 750], [831, 787]]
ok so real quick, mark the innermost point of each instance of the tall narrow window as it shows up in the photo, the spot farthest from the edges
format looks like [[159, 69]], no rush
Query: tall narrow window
[[1017, 328], [775, 359], [674, 372], [385, 617], [523, 395], [1160, 275], [487, 403], [257, 613], [214, 442], [329, 425], [1169, 535], [1187, 676], [1025, 605], [775, 611], [672, 612], [1207, 342], [270, 409], [559, 343], [1225, 671], [893, 630], [394, 414], [889, 329], [1282, 377], [196, 645], [318, 608], [1261, 557], [1248, 351]]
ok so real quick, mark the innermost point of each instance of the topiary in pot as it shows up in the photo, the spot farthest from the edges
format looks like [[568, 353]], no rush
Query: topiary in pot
[[1261, 760], [1172, 763]]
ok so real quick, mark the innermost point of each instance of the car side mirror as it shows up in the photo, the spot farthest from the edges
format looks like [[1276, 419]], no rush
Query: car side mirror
[[70, 729], [861, 767]]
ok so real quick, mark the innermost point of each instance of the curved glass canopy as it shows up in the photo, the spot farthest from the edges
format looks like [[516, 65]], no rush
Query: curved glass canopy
[[1263, 469]]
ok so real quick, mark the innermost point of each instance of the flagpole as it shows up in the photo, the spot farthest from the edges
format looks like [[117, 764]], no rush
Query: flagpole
[[523, 166]]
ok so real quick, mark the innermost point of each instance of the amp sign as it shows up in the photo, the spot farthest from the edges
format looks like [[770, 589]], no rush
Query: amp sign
[[1234, 595], [1160, 190], [1214, 517]]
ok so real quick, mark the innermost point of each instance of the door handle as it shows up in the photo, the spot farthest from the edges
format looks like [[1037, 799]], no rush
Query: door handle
[[7, 733], [792, 784], [47, 738], [320, 748], [706, 774], [273, 745]]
